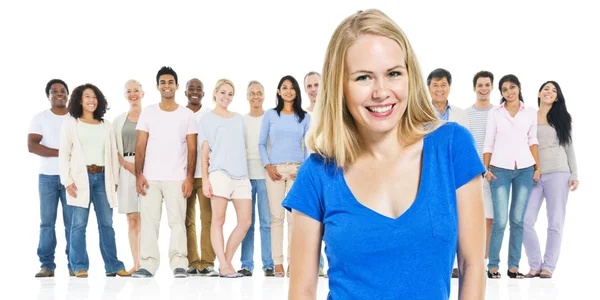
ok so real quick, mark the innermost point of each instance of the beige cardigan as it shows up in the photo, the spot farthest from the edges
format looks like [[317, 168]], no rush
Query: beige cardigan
[[72, 167], [459, 116]]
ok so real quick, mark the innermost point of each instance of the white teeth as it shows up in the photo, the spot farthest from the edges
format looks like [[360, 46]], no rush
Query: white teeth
[[380, 109]]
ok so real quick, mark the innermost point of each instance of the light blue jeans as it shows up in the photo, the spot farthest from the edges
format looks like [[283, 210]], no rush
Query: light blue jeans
[[259, 194], [78, 252], [51, 191], [521, 181]]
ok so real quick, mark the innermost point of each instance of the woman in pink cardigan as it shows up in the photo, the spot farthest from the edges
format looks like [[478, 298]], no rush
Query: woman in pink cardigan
[[88, 166]]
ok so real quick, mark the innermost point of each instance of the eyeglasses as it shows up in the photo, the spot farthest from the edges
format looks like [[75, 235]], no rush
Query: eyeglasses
[[252, 94]]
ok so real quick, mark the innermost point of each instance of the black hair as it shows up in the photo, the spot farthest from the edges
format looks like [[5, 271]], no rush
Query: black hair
[[483, 74], [558, 116], [510, 78], [53, 81], [439, 74], [166, 71], [76, 108], [300, 113]]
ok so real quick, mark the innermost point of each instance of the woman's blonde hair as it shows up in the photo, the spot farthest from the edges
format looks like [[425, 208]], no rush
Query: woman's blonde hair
[[133, 81], [333, 133], [221, 82]]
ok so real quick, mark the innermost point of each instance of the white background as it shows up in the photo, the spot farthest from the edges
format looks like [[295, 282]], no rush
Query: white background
[[107, 43]]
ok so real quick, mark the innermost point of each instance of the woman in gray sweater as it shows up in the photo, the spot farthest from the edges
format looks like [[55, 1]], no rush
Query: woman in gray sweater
[[559, 176]]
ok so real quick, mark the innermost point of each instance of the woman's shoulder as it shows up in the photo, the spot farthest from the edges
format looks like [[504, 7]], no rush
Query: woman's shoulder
[[449, 133]]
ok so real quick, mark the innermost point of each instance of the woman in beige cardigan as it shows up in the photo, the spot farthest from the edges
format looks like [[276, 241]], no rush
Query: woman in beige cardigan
[[88, 167], [126, 137]]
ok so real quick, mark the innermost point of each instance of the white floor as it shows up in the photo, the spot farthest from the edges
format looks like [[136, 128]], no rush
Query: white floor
[[258, 287]]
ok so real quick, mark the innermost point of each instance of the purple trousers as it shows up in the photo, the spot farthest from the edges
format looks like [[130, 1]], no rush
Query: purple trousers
[[554, 187]]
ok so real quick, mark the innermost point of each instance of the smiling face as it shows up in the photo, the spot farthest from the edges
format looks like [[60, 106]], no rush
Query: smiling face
[[89, 102], [439, 89], [223, 95], [311, 86], [548, 94], [194, 91], [133, 93], [167, 86], [483, 88], [376, 84], [256, 95], [58, 95], [510, 91], [287, 91]]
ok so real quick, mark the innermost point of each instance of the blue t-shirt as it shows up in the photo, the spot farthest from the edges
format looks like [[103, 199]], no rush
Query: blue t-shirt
[[372, 256], [227, 141], [285, 136]]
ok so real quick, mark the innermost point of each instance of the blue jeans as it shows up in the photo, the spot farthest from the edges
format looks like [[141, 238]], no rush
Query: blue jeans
[[51, 191], [522, 183], [79, 258], [259, 194]]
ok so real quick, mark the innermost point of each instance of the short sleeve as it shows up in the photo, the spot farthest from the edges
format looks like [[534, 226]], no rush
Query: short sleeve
[[465, 159], [200, 129], [142, 123], [36, 126], [305, 195], [192, 127]]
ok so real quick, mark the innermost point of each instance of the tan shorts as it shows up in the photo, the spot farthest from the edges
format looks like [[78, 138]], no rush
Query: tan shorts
[[229, 188]]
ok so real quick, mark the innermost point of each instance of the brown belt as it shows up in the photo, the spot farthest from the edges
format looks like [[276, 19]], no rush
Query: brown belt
[[95, 169]]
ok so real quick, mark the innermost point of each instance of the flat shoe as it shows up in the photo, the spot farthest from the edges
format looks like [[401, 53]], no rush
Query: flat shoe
[[529, 275], [232, 275], [545, 276]]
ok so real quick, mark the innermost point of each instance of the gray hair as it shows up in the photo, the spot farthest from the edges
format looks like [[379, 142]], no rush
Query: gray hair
[[311, 73], [134, 81], [255, 82]]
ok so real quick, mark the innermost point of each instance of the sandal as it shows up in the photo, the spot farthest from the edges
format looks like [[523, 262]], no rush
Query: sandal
[[532, 275], [545, 276], [232, 275], [493, 275], [515, 275]]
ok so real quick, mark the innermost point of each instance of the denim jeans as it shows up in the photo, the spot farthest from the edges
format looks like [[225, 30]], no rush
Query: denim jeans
[[51, 191], [259, 194], [522, 183], [79, 258]]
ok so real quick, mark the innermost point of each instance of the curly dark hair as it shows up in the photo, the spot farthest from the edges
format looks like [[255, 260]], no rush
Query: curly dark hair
[[75, 107]]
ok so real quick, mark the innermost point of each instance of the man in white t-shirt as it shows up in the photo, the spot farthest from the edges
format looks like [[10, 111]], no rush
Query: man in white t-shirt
[[311, 87], [167, 132], [256, 172], [483, 84], [202, 265], [44, 139]]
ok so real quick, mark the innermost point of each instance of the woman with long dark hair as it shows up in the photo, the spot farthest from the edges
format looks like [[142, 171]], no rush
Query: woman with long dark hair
[[510, 155], [284, 127], [89, 169], [559, 176]]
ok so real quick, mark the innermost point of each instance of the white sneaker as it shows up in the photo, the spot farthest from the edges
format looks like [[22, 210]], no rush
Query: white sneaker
[[212, 272]]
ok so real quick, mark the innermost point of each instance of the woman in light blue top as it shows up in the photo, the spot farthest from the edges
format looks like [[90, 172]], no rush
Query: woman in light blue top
[[225, 174], [284, 127]]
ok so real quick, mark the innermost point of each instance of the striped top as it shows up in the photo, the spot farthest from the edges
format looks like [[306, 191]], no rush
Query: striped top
[[477, 126]]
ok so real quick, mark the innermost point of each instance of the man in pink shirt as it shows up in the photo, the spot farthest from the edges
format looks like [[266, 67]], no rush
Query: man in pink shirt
[[167, 132]]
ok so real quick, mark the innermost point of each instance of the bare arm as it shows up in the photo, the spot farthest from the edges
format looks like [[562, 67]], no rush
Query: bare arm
[[205, 159], [192, 154], [140, 151], [487, 157], [471, 240], [34, 146], [536, 156], [307, 234]]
